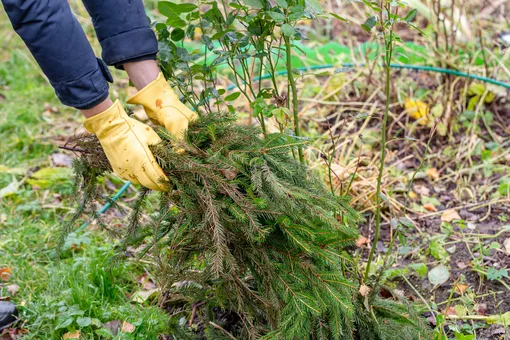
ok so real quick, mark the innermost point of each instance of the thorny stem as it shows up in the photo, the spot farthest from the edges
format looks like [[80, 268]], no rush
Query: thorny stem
[[292, 84]]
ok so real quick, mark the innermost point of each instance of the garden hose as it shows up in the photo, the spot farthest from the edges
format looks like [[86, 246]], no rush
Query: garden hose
[[423, 68]]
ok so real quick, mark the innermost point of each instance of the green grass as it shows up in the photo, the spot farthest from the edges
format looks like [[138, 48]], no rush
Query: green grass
[[82, 290]]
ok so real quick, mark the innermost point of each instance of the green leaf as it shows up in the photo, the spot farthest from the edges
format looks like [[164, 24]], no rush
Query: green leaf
[[186, 8], [254, 3], [288, 30], [406, 222], [232, 96], [373, 5], [503, 319], [437, 250], [177, 34], [420, 269], [411, 15], [172, 12], [369, 24], [314, 6], [460, 336], [334, 15], [496, 274], [439, 275], [277, 17], [65, 323], [282, 3], [84, 321]]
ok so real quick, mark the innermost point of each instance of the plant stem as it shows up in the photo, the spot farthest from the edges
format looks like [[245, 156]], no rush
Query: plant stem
[[292, 84], [387, 61]]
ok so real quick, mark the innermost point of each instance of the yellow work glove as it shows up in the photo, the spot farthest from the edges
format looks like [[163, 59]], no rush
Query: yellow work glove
[[163, 107], [125, 142]]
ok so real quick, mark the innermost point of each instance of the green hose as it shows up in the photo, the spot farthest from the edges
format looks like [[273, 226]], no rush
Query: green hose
[[126, 185], [397, 66]]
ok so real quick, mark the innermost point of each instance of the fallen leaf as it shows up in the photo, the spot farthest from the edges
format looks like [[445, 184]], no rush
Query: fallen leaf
[[461, 265], [61, 159], [127, 327], [149, 285], [364, 290], [450, 311], [429, 207], [422, 190], [143, 295], [432, 173], [10, 189], [5, 273], [506, 244], [450, 215], [481, 308], [460, 288], [73, 335], [229, 174], [113, 326], [46, 177], [418, 110], [361, 241], [13, 289], [413, 195], [439, 275], [13, 171]]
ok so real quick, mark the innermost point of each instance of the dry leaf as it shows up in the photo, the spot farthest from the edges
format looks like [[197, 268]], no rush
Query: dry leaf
[[13, 289], [61, 159], [413, 195], [418, 110], [422, 190], [361, 241], [73, 335], [450, 215], [5, 273], [364, 290], [112, 326], [429, 207], [481, 308], [450, 311], [127, 327], [143, 295], [460, 288], [461, 265], [432, 173], [506, 244]]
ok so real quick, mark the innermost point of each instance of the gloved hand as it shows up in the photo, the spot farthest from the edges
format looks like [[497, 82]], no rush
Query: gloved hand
[[163, 107], [125, 142]]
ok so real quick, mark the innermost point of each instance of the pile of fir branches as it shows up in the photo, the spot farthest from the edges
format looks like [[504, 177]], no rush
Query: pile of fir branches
[[249, 231]]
